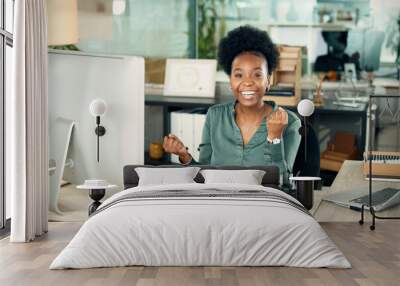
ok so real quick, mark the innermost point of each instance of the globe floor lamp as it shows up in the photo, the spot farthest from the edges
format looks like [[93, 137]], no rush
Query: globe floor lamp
[[305, 108], [305, 185]]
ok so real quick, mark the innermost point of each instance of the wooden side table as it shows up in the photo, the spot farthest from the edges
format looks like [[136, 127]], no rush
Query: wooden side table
[[96, 193]]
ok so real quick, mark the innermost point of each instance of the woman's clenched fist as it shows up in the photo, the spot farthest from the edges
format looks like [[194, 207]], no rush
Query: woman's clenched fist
[[174, 145], [276, 123]]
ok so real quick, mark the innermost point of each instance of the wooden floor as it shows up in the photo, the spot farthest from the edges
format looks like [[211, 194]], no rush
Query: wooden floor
[[375, 256]]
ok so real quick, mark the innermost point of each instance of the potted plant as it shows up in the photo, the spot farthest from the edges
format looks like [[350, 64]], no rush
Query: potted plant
[[208, 25]]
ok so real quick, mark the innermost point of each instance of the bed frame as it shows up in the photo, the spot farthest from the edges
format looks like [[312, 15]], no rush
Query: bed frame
[[270, 179]]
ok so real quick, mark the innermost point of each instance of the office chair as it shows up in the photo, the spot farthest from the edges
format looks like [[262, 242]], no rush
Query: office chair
[[311, 167]]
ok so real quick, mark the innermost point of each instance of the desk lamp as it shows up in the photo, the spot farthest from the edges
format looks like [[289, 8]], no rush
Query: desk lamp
[[98, 108]]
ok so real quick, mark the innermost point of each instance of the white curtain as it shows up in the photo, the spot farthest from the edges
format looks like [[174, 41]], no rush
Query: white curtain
[[27, 123]]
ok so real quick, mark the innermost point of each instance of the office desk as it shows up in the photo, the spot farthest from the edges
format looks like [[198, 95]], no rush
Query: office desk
[[326, 120]]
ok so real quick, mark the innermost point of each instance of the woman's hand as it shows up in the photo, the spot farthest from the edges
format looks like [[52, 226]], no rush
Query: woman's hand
[[174, 145], [276, 123]]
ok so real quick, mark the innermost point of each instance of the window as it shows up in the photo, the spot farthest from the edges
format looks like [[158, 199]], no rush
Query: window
[[6, 43], [158, 28]]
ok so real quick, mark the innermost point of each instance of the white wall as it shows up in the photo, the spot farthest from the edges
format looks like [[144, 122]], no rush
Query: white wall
[[75, 79]]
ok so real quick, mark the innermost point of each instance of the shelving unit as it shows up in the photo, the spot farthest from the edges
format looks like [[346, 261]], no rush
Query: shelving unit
[[287, 76]]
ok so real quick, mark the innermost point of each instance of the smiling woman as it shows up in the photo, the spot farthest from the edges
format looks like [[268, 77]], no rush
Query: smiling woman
[[247, 131]]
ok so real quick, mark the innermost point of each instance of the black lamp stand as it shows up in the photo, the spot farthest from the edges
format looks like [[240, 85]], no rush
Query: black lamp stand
[[100, 131], [305, 138], [303, 133]]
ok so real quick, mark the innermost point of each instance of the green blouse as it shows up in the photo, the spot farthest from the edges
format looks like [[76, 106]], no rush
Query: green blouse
[[222, 142]]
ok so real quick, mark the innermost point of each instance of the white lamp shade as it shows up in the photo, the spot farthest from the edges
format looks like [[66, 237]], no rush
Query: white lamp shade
[[98, 107], [305, 107], [62, 16]]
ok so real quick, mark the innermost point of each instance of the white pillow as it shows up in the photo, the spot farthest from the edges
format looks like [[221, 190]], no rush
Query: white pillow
[[166, 176], [248, 177]]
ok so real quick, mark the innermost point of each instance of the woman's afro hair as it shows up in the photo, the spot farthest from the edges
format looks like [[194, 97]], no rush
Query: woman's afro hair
[[246, 39]]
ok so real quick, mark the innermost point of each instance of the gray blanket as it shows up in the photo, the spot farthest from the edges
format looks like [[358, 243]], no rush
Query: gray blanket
[[202, 194]]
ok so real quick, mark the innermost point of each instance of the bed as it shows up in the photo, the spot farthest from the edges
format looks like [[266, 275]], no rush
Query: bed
[[201, 224]]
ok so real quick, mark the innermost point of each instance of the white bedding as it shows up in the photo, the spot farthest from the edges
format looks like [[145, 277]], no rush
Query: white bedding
[[200, 231]]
